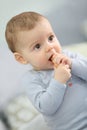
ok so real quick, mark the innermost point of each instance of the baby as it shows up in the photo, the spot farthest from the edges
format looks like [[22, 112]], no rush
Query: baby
[[57, 82]]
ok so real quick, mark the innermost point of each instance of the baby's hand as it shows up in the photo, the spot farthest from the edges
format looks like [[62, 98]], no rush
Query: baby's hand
[[62, 67], [62, 73], [61, 58]]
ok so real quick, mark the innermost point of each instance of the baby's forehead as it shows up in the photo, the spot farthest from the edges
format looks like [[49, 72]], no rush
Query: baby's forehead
[[40, 29]]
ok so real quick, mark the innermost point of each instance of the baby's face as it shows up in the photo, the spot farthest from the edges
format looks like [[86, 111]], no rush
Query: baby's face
[[39, 45]]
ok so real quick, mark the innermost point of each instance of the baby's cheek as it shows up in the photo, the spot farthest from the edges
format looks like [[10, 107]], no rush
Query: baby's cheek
[[42, 61]]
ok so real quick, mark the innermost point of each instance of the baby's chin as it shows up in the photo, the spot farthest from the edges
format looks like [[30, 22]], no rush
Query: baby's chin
[[51, 67], [48, 68]]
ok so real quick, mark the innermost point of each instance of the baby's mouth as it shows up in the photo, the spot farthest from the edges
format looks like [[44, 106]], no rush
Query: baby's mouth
[[50, 59]]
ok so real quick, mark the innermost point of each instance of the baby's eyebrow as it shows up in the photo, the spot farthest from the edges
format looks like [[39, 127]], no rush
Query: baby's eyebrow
[[51, 33]]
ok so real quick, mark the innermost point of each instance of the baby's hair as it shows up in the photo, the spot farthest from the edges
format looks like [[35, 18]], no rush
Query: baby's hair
[[21, 22]]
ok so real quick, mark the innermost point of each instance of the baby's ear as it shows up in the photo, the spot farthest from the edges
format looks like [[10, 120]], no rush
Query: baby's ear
[[19, 58]]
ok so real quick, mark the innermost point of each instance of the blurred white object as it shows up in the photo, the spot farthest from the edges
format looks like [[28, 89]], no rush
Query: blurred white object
[[84, 28]]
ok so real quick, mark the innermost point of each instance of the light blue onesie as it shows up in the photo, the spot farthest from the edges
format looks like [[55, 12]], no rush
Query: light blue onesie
[[63, 107]]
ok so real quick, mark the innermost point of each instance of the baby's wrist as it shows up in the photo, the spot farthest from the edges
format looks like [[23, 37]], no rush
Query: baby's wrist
[[60, 80]]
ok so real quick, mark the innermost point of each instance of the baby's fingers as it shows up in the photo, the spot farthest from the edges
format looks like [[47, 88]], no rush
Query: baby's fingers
[[56, 59]]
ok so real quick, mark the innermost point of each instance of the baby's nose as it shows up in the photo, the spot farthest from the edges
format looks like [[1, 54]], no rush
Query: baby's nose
[[49, 47]]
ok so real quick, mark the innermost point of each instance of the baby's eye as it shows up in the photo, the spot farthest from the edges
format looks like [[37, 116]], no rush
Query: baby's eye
[[51, 38], [37, 46]]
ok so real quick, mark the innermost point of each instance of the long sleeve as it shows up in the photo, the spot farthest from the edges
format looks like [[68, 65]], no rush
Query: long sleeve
[[46, 99], [79, 65], [79, 68]]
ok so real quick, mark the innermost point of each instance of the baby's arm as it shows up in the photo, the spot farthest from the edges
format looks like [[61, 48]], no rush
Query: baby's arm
[[48, 97]]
